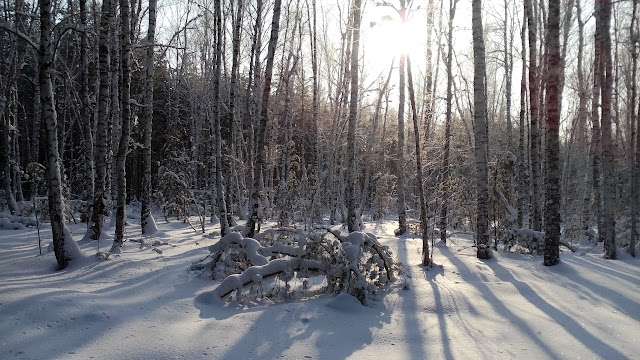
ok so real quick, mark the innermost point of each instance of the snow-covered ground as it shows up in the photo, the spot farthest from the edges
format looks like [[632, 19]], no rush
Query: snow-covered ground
[[144, 304]]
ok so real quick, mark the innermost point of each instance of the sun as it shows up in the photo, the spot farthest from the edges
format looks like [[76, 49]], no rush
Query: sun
[[385, 37]]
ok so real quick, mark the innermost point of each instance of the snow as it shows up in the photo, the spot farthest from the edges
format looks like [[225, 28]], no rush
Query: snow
[[146, 305]]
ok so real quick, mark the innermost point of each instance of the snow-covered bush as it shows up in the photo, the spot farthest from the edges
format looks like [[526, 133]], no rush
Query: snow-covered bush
[[320, 262], [523, 240]]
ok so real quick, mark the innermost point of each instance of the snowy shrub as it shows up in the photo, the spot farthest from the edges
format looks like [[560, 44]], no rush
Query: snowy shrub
[[523, 240], [320, 262]]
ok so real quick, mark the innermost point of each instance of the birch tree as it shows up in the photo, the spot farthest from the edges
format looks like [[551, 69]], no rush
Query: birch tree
[[64, 246], [123, 145], [480, 131], [102, 142], [147, 223], [353, 223]]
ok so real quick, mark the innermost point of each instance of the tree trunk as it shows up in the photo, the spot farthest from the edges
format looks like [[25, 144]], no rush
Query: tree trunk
[[353, 223], [447, 132], [523, 174], [608, 146], [123, 146], [552, 111], [147, 222], [535, 127], [402, 207], [426, 260], [64, 247], [217, 105], [635, 146], [481, 135], [86, 112], [256, 191], [102, 142]]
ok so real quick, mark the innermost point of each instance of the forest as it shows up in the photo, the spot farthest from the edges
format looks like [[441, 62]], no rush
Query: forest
[[519, 127]]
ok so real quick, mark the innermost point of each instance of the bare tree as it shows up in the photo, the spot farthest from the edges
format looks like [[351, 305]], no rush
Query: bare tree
[[400, 175], [603, 37], [123, 146], [534, 113], [353, 223], [552, 149], [447, 131], [147, 223], [255, 207], [64, 247], [480, 133], [426, 259], [635, 133], [102, 143]]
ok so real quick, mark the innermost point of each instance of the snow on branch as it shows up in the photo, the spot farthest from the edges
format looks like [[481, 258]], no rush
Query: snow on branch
[[356, 264]]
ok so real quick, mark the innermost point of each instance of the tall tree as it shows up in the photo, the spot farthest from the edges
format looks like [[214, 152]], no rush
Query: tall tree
[[523, 177], [255, 207], [125, 106], [102, 142], [217, 118], [552, 140], [635, 136], [353, 223], [480, 131], [426, 259], [64, 247], [603, 15], [400, 175], [86, 108], [533, 114], [447, 132], [147, 222]]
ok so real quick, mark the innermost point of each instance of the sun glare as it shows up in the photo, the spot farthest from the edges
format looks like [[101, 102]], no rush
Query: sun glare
[[385, 37]]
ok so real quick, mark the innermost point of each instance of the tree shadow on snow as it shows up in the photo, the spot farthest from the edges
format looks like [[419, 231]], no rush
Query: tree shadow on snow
[[479, 281], [335, 326]]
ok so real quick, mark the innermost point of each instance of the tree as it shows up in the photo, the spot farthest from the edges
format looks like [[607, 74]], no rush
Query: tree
[[64, 247], [552, 149], [480, 131], [221, 203], [447, 131], [147, 223], [635, 135], [426, 260], [400, 175], [102, 143], [123, 146], [353, 223], [603, 39], [533, 113], [255, 207]]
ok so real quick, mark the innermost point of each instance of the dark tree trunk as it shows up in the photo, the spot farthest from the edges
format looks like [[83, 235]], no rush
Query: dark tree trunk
[[552, 112]]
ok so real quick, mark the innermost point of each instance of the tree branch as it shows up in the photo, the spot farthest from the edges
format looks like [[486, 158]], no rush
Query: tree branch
[[9, 27]]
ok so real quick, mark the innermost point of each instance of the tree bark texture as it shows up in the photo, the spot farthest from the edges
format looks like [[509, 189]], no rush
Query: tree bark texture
[[480, 133]]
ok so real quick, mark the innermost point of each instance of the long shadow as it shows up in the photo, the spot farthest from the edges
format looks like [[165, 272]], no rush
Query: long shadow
[[336, 336], [498, 305], [41, 304], [612, 269], [592, 342], [440, 311], [409, 301]]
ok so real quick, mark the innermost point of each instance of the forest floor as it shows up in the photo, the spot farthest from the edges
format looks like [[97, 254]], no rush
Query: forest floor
[[143, 304]]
